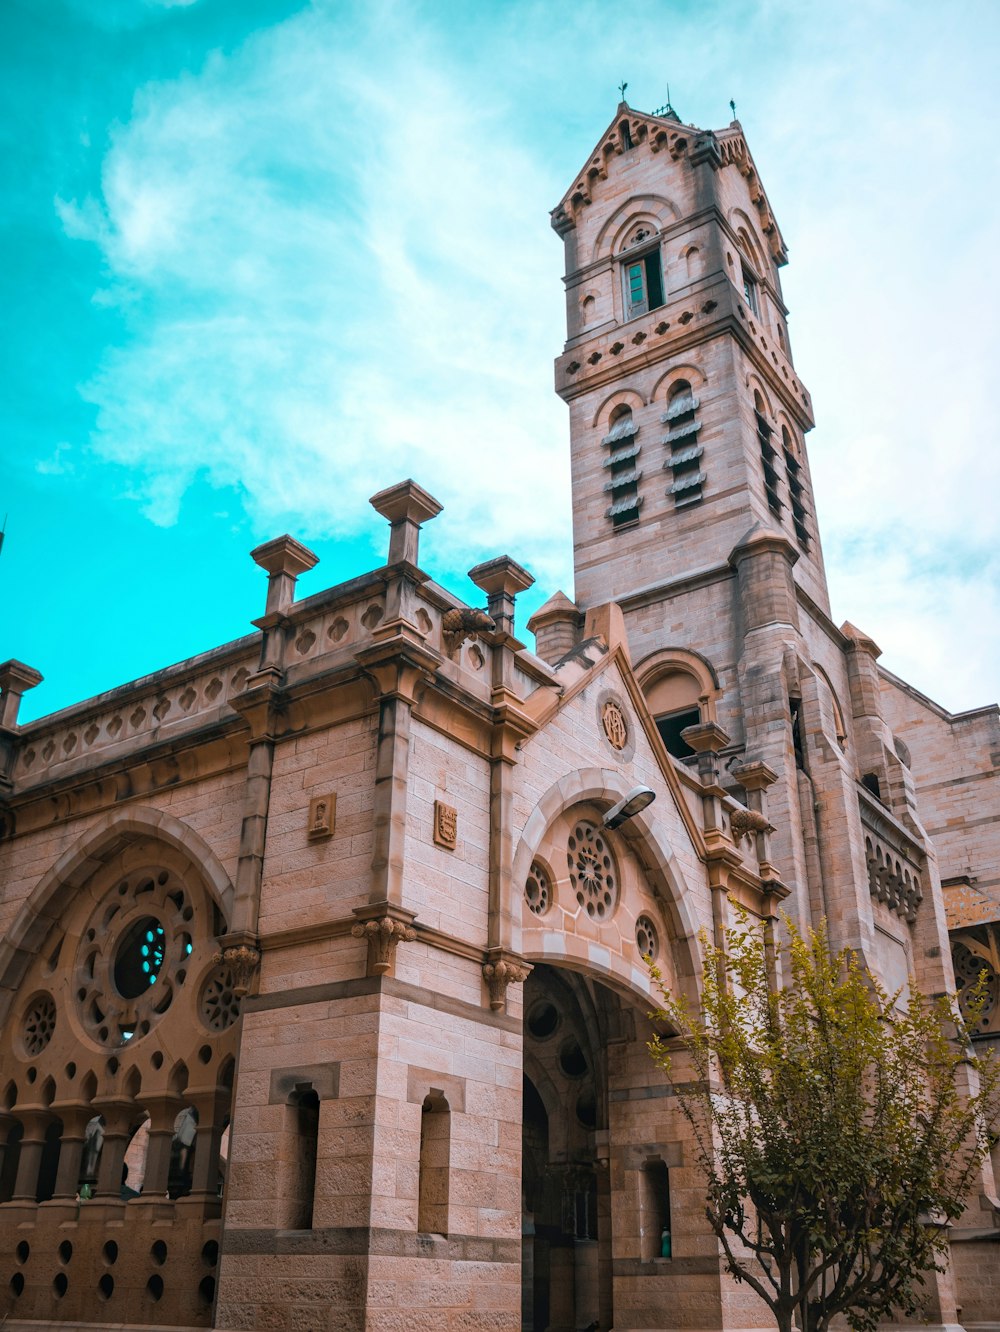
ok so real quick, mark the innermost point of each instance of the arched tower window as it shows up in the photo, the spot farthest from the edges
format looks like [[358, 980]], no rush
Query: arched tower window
[[674, 701], [681, 439], [623, 483], [768, 456], [642, 273], [749, 279]]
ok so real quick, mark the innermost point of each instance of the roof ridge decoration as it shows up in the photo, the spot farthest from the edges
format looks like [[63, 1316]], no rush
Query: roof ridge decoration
[[736, 152]]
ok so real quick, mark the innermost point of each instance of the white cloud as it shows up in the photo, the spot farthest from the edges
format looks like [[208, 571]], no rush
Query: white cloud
[[331, 253]]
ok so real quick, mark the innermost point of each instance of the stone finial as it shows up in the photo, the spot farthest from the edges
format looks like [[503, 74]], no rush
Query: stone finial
[[556, 627], [406, 506], [501, 579], [284, 559], [15, 680], [606, 621], [859, 640]]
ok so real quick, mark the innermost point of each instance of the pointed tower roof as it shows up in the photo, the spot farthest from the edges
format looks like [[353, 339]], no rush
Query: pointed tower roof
[[663, 132]]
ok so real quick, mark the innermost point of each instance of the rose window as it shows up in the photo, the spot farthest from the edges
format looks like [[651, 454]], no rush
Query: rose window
[[646, 938], [538, 889], [592, 871], [134, 956], [39, 1024], [220, 1004], [968, 967]]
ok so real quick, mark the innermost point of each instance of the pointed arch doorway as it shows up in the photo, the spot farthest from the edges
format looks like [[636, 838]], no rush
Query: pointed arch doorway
[[566, 1254]]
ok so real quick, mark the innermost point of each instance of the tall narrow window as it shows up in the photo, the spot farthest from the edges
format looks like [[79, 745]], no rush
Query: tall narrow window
[[657, 1240], [768, 456], [684, 459], [435, 1153], [750, 290], [622, 463], [300, 1188], [642, 278], [796, 488]]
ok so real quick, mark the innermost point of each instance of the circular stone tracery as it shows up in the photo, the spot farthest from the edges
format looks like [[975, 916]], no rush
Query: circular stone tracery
[[538, 889], [134, 956], [592, 871], [220, 1005], [968, 967], [646, 938], [39, 1023]]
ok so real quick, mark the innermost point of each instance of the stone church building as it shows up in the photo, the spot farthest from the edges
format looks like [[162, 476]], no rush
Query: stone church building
[[322, 969]]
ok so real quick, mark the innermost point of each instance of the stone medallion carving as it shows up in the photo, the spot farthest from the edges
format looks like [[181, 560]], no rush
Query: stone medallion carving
[[615, 726], [592, 871], [616, 730], [538, 889]]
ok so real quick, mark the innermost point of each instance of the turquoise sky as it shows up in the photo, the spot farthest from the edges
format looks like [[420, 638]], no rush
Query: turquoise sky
[[263, 258]]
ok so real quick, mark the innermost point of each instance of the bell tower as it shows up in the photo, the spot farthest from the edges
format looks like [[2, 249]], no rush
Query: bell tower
[[692, 499], [687, 416]]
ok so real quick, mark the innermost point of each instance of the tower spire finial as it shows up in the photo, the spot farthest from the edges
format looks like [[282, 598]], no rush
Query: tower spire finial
[[621, 88], [732, 107]]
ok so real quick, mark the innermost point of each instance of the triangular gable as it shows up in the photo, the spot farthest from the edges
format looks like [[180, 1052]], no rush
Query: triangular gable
[[544, 705], [664, 133], [660, 132]]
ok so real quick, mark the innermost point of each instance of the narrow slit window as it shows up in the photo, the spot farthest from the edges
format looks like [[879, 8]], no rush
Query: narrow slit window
[[300, 1193], [657, 1239], [435, 1153]]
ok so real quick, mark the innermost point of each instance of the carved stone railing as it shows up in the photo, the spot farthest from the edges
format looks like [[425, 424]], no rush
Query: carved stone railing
[[137, 714], [185, 697], [895, 860]]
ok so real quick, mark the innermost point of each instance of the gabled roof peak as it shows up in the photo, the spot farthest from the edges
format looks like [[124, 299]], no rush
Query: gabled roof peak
[[663, 130]]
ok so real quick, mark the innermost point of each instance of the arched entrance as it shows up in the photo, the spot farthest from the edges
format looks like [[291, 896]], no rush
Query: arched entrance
[[570, 1020]]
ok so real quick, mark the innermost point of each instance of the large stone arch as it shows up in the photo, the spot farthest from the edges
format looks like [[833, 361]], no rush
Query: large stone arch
[[602, 788], [99, 844]]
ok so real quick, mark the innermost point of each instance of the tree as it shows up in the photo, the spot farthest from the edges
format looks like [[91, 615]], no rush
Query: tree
[[838, 1127]]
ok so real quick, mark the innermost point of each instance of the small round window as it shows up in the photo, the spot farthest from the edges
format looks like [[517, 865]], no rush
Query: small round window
[[139, 958]]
